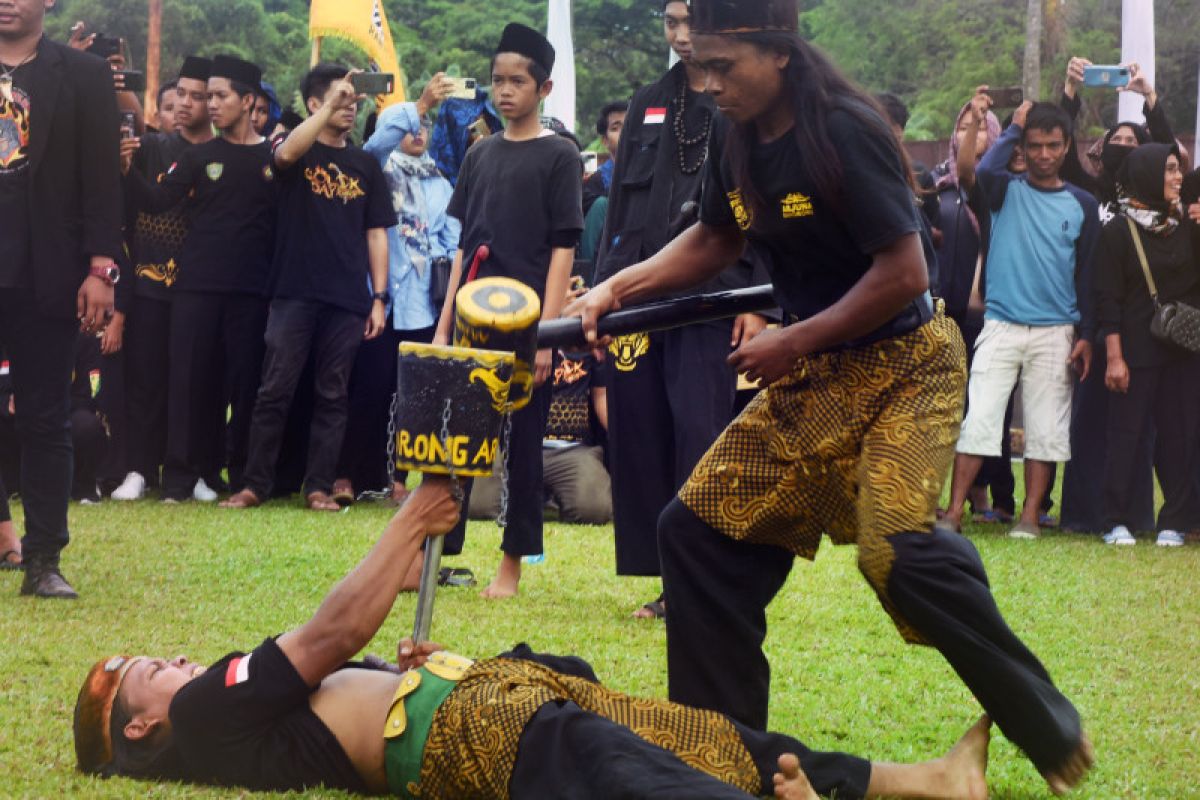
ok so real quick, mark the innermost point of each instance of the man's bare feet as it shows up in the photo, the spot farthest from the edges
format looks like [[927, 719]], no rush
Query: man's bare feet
[[321, 501], [10, 546], [1069, 775], [243, 499], [507, 580], [790, 782], [965, 766]]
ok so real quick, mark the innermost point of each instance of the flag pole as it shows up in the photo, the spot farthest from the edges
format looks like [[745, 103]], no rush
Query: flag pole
[[153, 61], [316, 51]]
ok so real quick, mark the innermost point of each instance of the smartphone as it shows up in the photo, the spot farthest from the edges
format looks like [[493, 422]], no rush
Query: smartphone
[[464, 88], [128, 124], [577, 283], [104, 45], [479, 130], [373, 83], [134, 81], [1111, 76], [1009, 97]]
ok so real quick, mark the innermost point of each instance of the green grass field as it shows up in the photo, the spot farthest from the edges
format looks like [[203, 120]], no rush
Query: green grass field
[[1117, 627]]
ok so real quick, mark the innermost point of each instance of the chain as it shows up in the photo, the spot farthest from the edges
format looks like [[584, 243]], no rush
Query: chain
[[502, 471], [389, 466], [682, 140], [455, 486]]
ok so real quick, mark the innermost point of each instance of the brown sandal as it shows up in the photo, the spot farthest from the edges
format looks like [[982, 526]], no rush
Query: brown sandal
[[343, 492]]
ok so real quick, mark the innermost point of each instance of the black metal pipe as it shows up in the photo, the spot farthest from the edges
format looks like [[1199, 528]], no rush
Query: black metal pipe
[[567, 332]]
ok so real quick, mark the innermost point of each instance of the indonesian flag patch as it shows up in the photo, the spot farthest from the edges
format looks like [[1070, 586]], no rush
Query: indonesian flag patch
[[238, 671], [655, 116]]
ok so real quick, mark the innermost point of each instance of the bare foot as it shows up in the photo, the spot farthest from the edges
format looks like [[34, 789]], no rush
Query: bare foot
[[790, 782], [1068, 776], [321, 501], [10, 546], [655, 609], [507, 580], [243, 499], [964, 768]]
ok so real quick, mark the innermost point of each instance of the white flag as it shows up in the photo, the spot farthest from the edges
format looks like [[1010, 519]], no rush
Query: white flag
[[561, 102], [1137, 44]]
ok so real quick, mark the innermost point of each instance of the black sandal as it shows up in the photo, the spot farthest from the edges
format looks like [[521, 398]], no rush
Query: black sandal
[[457, 577], [11, 566]]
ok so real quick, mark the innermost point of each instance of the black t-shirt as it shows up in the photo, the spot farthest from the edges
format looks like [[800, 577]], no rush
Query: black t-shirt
[[520, 199], [815, 252], [231, 193], [571, 401], [158, 238], [247, 722], [329, 199], [15, 119]]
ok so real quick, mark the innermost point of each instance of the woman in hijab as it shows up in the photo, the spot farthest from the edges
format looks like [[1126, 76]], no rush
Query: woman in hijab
[[424, 237], [1152, 384]]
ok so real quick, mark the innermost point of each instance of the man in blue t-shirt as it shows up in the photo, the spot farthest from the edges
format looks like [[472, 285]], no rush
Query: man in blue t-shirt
[[1038, 324]]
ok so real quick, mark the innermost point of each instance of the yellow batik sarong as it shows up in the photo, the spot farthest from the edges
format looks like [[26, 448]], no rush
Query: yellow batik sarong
[[855, 444]]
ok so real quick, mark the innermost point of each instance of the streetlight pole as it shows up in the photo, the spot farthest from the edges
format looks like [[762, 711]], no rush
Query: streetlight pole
[[153, 61]]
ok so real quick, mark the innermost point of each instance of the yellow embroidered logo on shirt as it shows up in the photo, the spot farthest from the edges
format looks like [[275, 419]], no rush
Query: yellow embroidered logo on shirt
[[740, 213], [796, 205]]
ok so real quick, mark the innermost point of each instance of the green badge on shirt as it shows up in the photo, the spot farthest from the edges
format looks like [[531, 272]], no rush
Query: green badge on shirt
[[214, 171]]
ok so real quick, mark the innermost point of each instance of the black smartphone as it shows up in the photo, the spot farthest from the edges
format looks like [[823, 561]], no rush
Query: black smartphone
[[128, 124], [1009, 97], [134, 81], [104, 45], [372, 83]]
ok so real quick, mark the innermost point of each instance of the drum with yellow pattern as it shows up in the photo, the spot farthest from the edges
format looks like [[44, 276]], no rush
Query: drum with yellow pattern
[[501, 314]]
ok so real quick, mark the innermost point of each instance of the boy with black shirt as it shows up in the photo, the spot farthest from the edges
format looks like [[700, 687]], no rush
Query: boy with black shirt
[[157, 242], [519, 193], [219, 310], [332, 237]]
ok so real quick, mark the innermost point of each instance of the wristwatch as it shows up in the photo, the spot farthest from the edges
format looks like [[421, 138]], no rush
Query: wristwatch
[[109, 273], [381, 297]]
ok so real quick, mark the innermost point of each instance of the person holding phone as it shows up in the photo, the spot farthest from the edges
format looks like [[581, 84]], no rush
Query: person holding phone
[[330, 284], [855, 431], [420, 245]]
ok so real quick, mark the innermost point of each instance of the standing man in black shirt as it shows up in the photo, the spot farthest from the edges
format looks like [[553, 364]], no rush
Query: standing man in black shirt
[[330, 277], [519, 193], [157, 245], [856, 430], [671, 393], [60, 231], [219, 308]]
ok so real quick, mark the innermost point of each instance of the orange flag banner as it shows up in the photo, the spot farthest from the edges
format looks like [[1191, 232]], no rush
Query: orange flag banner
[[363, 24]]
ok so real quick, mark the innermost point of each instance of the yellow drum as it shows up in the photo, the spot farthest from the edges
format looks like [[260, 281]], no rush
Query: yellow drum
[[450, 404], [501, 314]]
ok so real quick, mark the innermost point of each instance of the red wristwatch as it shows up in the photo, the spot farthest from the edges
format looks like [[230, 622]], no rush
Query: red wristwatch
[[109, 273]]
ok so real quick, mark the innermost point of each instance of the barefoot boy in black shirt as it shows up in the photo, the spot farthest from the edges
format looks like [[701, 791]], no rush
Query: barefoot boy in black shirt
[[330, 284], [520, 193], [219, 310]]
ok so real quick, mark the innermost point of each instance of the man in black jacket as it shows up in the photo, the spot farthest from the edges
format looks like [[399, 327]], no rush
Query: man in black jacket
[[60, 230], [670, 394]]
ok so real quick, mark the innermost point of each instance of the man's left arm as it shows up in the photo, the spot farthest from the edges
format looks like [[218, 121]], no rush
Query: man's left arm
[[98, 136], [1085, 255], [358, 605], [377, 252]]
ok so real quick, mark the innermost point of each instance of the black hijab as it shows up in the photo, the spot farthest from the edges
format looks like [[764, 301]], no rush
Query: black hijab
[[1140, 182]]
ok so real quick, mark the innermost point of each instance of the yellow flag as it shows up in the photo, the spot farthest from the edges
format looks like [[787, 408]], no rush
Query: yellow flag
[[363, 24]]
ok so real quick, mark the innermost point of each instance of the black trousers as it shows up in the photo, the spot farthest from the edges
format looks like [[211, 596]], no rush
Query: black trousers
[[296, 328], [720, 588], [523, 534], [565, 751], [216, 351], [1163, 406], [1083, 496], [147, 356], [5, 513], [372, 383], [41, 353], [663, 415], [90, 441]]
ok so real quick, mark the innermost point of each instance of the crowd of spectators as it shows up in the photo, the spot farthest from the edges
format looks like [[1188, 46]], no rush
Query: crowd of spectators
[[269, 267]]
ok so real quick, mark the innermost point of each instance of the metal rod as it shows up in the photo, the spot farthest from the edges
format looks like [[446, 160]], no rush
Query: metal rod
[[567, 332], [429, 583]]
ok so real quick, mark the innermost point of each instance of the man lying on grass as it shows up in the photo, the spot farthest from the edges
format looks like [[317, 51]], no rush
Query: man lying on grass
[[293, 714]]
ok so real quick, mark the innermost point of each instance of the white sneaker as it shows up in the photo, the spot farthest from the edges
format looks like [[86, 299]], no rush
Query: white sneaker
[[1169, 539], [1119, 535], [203, 493], [132, 488]]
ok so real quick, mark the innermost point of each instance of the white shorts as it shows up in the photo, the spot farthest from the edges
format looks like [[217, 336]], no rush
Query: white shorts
[[1041, 358]]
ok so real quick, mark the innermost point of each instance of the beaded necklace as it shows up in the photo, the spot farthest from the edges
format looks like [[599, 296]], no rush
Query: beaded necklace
[[682, 140]]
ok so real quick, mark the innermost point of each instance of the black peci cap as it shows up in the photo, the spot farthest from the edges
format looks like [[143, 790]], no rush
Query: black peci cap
[[522, 39], [235, 69], [196, 68], [744, 16]]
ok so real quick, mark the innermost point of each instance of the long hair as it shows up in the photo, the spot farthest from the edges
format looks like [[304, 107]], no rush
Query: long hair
[[816, 88]]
